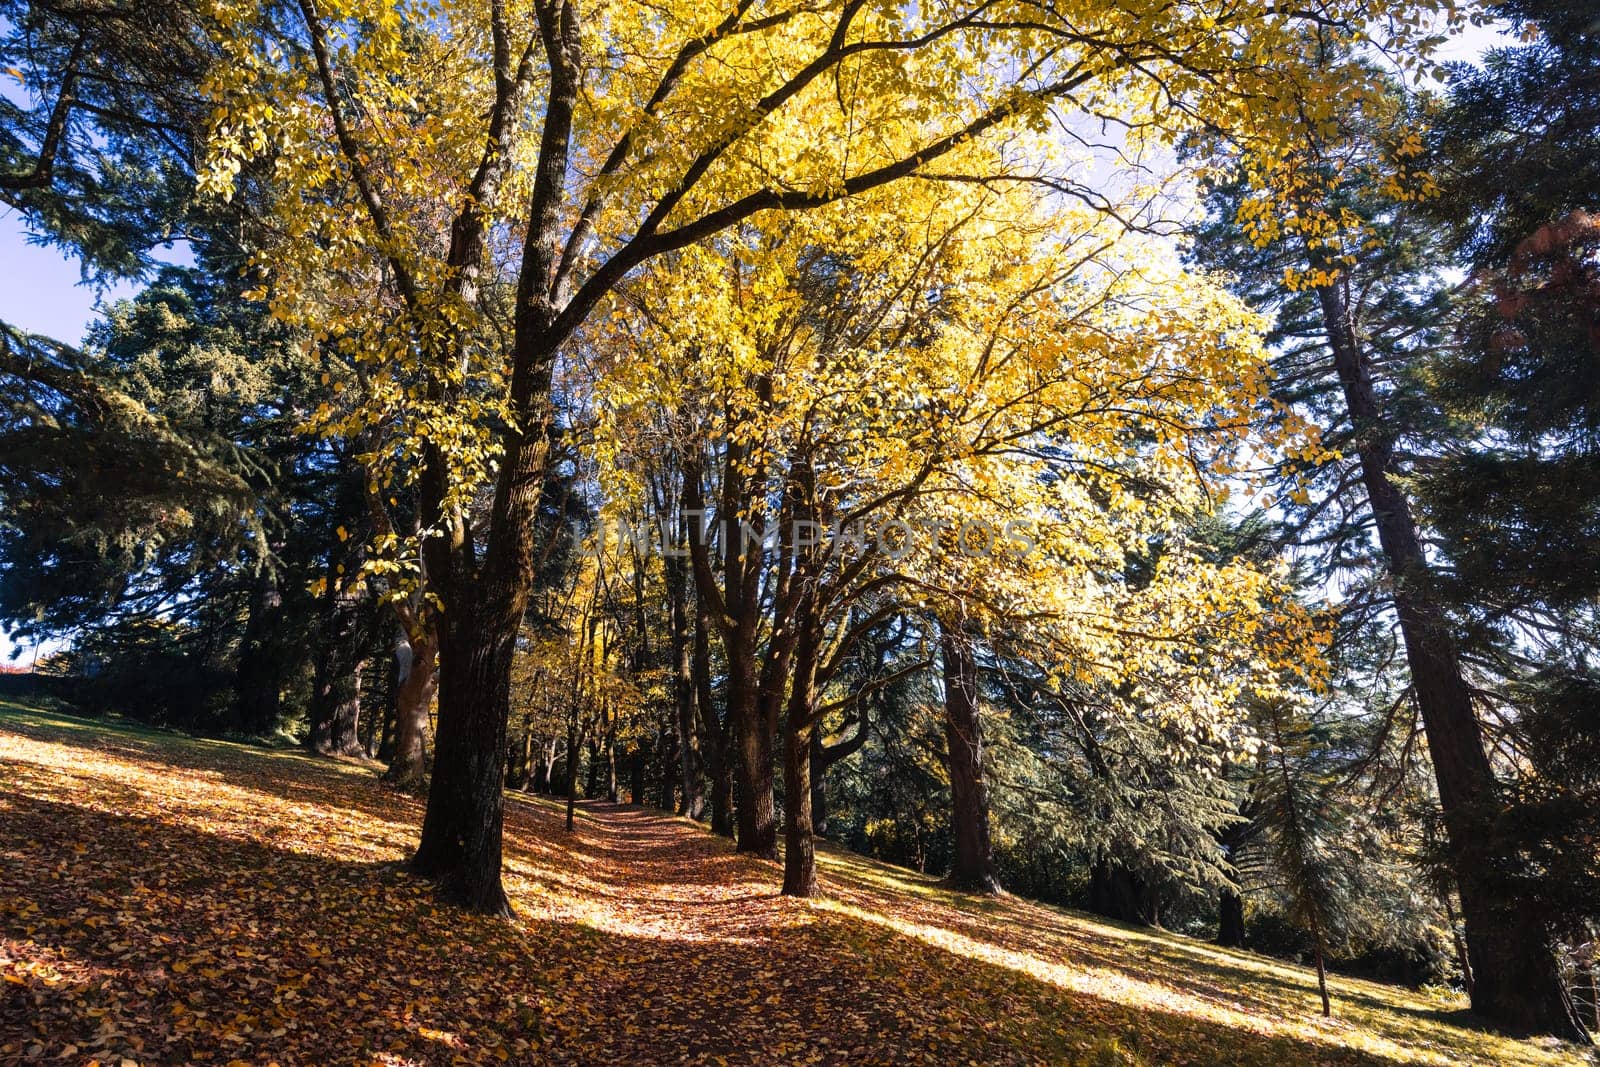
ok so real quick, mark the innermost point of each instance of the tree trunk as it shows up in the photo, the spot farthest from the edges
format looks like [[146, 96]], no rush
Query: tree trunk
[[636, 772], [336, 691], [800, 849], [258, 681], [799, 852], [572, 769], [591, 781], [544, 781], [691, 800], [344, 725], [817, 773], [519, 765], [1230, 925], [1463, 960], [973, 867], [611, 756], [1118, 893], [416, 663], [461, 832], [1322, 977], [484, 597], [1516, 979], [757, 818], [719, 758], [667, 768]]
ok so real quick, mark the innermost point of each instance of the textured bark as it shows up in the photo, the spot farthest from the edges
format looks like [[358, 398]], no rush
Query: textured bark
[[973, 864], [800, 849], [484, 601], [717, 747], [757, 813], [799, 844], [417, 670], [1516, 979]]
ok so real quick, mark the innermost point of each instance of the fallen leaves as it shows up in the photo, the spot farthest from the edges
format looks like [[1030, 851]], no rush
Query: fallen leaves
[[170, 901]]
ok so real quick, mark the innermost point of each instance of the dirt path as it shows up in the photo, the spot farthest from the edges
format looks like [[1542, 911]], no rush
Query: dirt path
[[171, 901]]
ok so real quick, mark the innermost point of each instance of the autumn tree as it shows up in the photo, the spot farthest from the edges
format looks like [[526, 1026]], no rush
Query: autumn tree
[[706, 121]]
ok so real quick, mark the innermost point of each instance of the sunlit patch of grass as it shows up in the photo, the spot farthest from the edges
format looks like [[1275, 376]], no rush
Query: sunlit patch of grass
[[1144, 969], [217, 900]]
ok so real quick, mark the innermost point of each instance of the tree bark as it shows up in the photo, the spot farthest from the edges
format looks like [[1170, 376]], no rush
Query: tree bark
[[719, 758], [667, 767], [1322, 976], [1516, 979], [757, 814], [800, 849], [258, 681], [484, 601], [417, 668], [636, 762], [336, 683], [1230, 925], [973, 864]]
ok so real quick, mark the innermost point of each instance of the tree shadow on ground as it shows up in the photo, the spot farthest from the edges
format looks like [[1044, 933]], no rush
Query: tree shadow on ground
[[133, 937], [144, 917]]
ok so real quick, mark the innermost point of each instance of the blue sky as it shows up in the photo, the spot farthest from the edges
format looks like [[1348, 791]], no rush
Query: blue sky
[[41, 294]]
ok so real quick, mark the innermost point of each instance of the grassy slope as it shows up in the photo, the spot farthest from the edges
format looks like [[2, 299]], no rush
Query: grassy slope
[[171, 900]]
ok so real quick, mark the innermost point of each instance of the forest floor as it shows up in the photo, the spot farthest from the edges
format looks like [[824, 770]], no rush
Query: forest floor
[[169, 900]]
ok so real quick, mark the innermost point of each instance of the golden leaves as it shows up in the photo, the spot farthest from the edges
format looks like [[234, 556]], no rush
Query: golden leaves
[[246, 912]]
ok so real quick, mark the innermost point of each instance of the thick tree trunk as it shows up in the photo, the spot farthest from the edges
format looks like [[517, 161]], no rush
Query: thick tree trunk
[[344, 724], [973, 864], [799, 846], [1230, 924], [1516, 980], [484, 597], [258, 681], [757, 817], [336, 685], [417, 670], [461, 832]]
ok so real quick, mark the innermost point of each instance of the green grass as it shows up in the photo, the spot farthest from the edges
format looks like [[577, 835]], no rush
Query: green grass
[[168, 899]]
